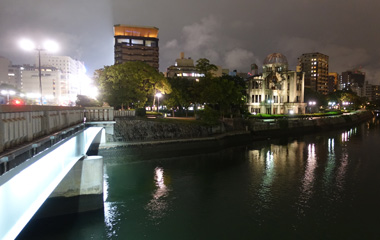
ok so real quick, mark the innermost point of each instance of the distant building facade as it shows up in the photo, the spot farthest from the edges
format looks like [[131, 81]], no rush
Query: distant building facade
[[183, 68], [50, 81], [136, 43], [316, 68], [332, 84], [72, 74], [375, 94], [277, 90], [353, 80]]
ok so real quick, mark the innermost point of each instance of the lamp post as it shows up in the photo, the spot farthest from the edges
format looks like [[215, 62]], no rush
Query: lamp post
[[50, 46], [158, 95], [311, 103]]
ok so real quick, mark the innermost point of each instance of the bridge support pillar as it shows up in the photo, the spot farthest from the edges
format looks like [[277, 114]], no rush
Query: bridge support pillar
[[80, 191]]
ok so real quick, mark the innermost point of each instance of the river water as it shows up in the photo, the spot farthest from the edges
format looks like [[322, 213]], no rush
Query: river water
[[320, 186]]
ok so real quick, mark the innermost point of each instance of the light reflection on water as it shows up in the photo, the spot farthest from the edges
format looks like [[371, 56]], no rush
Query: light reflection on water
[[330, 165], [159, 204], [111, 211], [309, 177]]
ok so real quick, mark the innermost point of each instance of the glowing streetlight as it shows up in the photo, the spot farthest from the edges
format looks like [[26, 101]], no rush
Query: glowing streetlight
[[48, 45], [158, 95], [311, 103]]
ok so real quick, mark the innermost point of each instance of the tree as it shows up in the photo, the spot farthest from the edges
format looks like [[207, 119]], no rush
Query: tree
[[181, 95], [223, 94], [204, 66], [85, 101], [130, 84]]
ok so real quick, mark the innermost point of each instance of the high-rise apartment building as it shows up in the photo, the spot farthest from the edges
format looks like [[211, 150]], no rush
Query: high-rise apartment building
[[316, 68], [136, 43]]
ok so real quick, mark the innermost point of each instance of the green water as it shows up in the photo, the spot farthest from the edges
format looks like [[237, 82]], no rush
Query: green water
[[321, 186]]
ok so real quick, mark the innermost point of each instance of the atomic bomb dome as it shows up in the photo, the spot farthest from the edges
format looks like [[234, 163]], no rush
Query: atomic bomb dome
[[275, 58]]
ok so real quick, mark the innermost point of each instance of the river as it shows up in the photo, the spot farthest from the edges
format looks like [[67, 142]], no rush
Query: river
[[320, 186]]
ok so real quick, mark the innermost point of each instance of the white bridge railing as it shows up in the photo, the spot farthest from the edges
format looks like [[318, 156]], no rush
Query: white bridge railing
[[22, 124]]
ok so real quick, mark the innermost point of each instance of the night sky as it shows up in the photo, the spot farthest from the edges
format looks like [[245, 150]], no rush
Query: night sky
[[231, 33]]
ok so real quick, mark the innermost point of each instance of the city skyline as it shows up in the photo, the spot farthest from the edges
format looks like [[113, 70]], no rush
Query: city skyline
[[230, 34]]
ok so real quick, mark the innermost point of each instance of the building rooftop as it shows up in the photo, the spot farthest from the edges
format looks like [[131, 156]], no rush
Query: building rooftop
[[136, 31]]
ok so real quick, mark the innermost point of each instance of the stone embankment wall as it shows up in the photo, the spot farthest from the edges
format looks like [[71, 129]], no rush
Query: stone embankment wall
[[127, 129]]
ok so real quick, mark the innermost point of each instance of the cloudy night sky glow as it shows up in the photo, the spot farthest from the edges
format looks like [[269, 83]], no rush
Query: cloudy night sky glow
[[232, 34]]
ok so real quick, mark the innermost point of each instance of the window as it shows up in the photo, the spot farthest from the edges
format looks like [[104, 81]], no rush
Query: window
[[137, 42]]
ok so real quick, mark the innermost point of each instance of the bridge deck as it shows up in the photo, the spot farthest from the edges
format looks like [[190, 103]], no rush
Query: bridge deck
[[24, 188]]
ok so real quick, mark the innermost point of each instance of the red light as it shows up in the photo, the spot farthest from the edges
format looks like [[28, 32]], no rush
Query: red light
[[17, 102]]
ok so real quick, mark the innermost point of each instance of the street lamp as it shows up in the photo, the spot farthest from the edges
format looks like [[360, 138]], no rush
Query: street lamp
[[311, 103], [48, 45], [158, 95]]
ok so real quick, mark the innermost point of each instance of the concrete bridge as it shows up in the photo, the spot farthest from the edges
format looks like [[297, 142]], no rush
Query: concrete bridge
[[50, 153]]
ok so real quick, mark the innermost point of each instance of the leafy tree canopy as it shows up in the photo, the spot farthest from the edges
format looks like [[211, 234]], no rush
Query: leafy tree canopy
[[130, 83], [85, 101], [204, 66]]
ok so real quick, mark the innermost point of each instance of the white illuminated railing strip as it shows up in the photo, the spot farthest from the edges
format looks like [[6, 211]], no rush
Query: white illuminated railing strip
[[24, 189]]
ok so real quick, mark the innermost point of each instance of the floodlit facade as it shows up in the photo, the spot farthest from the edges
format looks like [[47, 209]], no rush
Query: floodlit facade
[[277, 90], [72, 77], [136, 43], [316, 68], [50, 81]]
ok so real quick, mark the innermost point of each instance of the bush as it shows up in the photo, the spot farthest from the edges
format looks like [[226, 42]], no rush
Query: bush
[[141, 112], [209, 116]]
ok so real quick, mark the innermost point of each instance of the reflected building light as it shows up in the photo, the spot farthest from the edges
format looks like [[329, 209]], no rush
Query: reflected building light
[[344, 137], [158, 205], [269, 161], [330, 166], [159, 178], [308, 179], [342, 171], [331, 144], [267, 180]]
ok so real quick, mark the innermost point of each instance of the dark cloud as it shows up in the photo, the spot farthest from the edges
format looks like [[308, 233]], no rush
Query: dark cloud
[[233, 34]]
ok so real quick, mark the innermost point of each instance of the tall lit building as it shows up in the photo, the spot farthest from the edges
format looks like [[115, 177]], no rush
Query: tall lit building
[[136, 43], [316, 68], [277, 90]]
